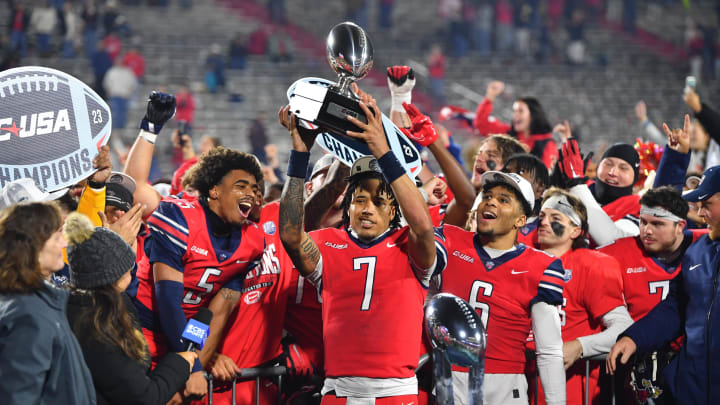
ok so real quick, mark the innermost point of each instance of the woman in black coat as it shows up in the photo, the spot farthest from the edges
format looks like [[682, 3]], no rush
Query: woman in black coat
[[105, 323]]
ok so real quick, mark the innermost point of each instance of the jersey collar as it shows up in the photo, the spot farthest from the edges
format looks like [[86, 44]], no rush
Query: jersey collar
[[491, 263], [365, 245]]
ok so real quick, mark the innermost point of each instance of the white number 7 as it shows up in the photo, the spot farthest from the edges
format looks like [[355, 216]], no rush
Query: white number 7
[[369, 278]]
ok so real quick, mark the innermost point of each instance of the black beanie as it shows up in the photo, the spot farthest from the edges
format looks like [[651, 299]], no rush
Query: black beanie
[[97, 256], [627, 153]]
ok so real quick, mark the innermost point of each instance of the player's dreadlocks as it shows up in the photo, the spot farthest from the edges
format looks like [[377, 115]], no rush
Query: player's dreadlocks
[[354, 182]]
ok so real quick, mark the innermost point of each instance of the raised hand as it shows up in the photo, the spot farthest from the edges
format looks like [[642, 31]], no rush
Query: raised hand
[[679, 139], [692, 100], [641, 111], [401, 81], [160, 108], [302, 142], [422, 129], [494, 89], [373, 132], [103, 164], [436, 190]]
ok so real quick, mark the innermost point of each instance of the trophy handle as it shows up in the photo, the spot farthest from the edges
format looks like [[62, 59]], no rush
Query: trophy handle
[[442, 371], [475, 382], [343, 86]]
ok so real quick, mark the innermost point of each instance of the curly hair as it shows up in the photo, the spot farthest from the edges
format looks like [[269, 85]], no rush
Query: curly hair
[[354, 182], [666, 197], [216, 164], [24, 229]]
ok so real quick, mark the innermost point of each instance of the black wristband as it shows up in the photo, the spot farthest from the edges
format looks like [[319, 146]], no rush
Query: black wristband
[[391, 167], [95, 184], [298, 164]]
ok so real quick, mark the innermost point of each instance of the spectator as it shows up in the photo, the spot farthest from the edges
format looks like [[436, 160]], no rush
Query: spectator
[[120, 85], [19, 23], [101, 62], [484, 15], [185, 111], [110, 17], [504, 31], [72, 30], [436, 65], [451, 12], [276, 9], [385, 14], [134, 60], [41, 360], [215, 69], [280, 45], [105, 322], [576, 39], [258, 42], [43, 22], [112, 45], [238, 52], [90, 19], [258, 137]]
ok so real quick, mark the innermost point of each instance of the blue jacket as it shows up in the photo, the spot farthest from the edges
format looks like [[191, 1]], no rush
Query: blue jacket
[[40, 360], [671, 169], [692, 307]]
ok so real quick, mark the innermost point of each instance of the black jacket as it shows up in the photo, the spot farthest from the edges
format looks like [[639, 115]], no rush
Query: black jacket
[[120, 379]]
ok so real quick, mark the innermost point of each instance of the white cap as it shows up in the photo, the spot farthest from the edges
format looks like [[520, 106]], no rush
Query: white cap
[[25, 190], [515, 181]]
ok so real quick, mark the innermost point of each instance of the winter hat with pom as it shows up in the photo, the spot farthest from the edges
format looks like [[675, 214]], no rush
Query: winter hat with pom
[[97, 256]]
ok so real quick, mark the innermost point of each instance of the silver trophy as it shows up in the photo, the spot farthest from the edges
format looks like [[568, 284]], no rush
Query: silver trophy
[[458, 337], [350, 54]]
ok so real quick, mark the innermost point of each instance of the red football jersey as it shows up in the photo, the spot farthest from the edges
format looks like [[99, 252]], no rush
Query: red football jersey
[[502, 291], [262, 305], [180, 238], [303, 319], [527, 235], [372, 305], [646, 280]]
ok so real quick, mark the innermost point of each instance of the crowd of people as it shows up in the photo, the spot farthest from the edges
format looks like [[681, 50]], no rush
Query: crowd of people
[[595, 279]]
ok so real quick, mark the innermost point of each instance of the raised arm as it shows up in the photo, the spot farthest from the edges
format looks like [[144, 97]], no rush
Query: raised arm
[[318, 203], [483, 122], [160, 108], [300, 247], [411, 202]]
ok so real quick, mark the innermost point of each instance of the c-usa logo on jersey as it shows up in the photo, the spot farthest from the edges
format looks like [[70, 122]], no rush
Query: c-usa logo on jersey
[[269, 227], [568, 275]]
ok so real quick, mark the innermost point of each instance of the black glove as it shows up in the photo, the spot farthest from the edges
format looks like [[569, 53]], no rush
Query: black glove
[[160, 108]]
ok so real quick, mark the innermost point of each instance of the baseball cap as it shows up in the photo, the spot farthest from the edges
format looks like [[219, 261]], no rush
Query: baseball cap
[[365, 164], [708, 186], [323, 163], [513, 180], [26, 190], [119, 191]]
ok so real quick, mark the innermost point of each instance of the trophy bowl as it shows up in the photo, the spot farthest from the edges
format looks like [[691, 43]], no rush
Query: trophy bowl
[[454, 327], [349, 52]]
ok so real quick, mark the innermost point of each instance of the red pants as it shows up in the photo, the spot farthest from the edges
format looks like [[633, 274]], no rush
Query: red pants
[[329, 399]]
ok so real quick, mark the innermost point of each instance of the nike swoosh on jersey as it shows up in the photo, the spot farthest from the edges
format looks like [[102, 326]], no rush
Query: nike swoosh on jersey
[[518, 272], [391, 245], [694, 267], [702, 197]]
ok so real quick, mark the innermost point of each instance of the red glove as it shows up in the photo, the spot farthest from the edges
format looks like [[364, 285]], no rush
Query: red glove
[[572, 162], [297, 361], [422, 130], [398, 74]]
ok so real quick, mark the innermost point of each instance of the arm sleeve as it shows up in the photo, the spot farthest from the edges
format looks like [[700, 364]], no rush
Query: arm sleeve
[[549, 351], [671, 169], [124, 380], [615, 321], [486, 124], [710, 120], [663, 323], [91, 201], [167, 242], [550, 287], [26, 353], [424, 275], [169, 295], [602, 229], [653, 133], [455, 151]]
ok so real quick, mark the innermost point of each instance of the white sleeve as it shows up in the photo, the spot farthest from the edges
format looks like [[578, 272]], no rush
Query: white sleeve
[[602, 229], [615, 321], [315, 278], [549, 351]]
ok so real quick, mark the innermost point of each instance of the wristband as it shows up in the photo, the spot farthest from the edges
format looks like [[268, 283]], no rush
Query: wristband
[[398, 98], [146, 125], [298, 164], [96, 184], [148, 136], [391, 167], [424, 194]]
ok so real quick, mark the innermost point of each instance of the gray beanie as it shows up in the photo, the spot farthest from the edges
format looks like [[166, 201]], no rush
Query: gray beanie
[[97, 256]]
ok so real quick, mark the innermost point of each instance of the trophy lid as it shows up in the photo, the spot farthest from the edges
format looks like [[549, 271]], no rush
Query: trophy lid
[[349, 50], [454, 326]]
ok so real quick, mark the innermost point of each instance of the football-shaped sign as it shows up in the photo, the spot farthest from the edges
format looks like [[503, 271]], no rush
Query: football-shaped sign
[[51, 127]]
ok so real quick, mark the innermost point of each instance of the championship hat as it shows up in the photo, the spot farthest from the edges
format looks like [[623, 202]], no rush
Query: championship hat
[[516, 182], [26, 190], [119, 191]]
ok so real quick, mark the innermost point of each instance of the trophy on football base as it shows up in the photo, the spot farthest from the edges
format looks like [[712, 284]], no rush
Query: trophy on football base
[[319, 103], [458, 337]]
